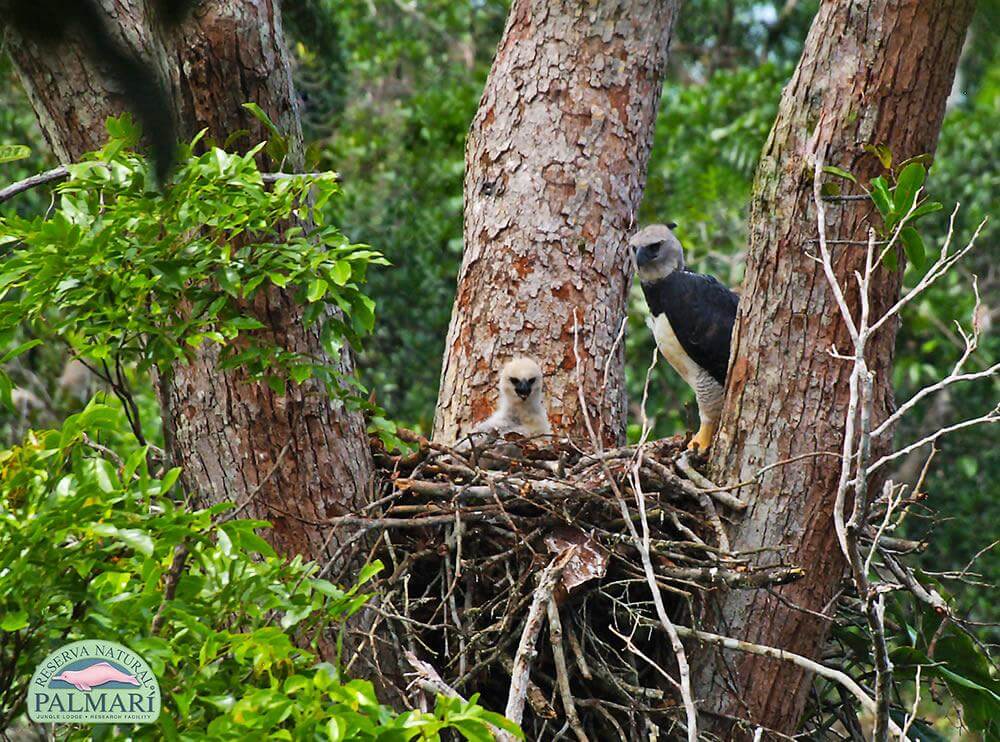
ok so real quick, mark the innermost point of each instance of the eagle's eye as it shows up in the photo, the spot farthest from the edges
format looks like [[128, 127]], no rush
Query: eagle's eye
[[655, 249], [514, 381]]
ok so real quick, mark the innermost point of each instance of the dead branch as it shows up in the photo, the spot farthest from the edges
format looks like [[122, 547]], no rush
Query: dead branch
[[529, 637]]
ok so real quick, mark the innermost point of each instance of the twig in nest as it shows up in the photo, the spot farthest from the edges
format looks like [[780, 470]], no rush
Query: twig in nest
[[707, 486], [562, 674], [642, 544], [581, 659], [529, 637], [796, 659], [427, 678], [536, 697]]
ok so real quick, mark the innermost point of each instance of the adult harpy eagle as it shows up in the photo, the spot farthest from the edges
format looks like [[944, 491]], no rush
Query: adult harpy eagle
[[692, 321]]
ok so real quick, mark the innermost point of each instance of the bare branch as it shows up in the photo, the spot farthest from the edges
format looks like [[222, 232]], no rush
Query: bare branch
[[562, 674], [829, 673], [529, 637], [993, 416]]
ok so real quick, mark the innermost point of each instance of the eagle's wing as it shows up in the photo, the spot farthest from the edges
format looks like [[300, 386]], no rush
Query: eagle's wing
[[702, 313]]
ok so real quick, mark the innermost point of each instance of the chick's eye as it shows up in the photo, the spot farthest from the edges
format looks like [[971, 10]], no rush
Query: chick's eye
[[514, 382]]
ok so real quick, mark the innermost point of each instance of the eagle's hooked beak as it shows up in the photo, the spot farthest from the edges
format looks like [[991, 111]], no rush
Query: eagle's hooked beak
[[646, 254], [523, 387]]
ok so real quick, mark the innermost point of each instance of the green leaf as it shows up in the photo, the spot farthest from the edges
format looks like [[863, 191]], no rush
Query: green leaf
[[954, 677], [169, 479], [14, 621], [891, 260], [124, 129], [132, 464], [840, 173], [6, 390], [277, 140], [924, 159], [882, 153], [235, 137], [300, 373], [370, 570], [22, 348], [473, 730], [12, 152], [913, 245], [245, 323], [276, 384], [910, 180], [105, 475], [137, 540], [317, 289], [99, 417], [341, 272], [927, 207], [882, 198]]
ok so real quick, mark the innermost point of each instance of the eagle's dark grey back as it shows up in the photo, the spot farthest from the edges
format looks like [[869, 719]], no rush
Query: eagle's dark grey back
[[701, 312]]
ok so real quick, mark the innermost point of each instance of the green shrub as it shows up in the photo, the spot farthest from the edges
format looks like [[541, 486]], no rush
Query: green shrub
[[126, 274], [87, 540]]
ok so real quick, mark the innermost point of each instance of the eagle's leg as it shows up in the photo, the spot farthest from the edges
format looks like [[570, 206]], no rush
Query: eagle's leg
[[703, 438], [709, 394]]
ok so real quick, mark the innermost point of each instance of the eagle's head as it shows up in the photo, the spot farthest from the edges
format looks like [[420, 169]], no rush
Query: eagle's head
[[522, 379], [658, 253]]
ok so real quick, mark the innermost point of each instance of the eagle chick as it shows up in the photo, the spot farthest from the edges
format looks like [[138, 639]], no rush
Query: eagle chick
[[521, 405]]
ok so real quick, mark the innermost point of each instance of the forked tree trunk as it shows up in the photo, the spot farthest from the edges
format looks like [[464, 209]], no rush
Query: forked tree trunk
[[871, 72], [300, 457], [555, 169]]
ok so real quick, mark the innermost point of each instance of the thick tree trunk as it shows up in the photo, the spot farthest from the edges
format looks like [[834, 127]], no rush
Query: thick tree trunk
[[871, 72], [555, 169], [300, 457]]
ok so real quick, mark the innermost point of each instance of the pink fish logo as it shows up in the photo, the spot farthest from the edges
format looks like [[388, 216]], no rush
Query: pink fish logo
[[94, 675]]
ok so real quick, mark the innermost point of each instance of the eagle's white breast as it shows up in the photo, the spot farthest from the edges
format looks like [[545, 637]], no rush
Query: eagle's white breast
[[670, 347], [707, 390]]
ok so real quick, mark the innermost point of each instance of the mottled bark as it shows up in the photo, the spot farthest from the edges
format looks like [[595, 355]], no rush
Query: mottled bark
[[301, 457], [555, 169], [871, 72]]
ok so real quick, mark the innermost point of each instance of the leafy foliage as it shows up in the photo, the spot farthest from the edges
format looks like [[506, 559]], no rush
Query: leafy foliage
[[88, 537], [946, 656], [194, 259], [897, 196]]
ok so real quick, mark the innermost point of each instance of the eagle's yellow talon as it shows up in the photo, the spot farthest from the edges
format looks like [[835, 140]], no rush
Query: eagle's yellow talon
[[702, 440]]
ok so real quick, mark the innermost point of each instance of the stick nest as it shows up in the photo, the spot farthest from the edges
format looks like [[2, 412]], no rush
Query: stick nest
[[466, 534]]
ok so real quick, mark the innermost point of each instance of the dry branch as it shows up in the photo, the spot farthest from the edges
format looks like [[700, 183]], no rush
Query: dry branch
[[529, 637]]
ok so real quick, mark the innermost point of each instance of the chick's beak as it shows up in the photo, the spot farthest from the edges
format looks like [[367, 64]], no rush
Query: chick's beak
[[523, 390]]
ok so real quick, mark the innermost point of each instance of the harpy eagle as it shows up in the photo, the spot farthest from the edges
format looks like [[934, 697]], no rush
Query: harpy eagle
[[692, 321]]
